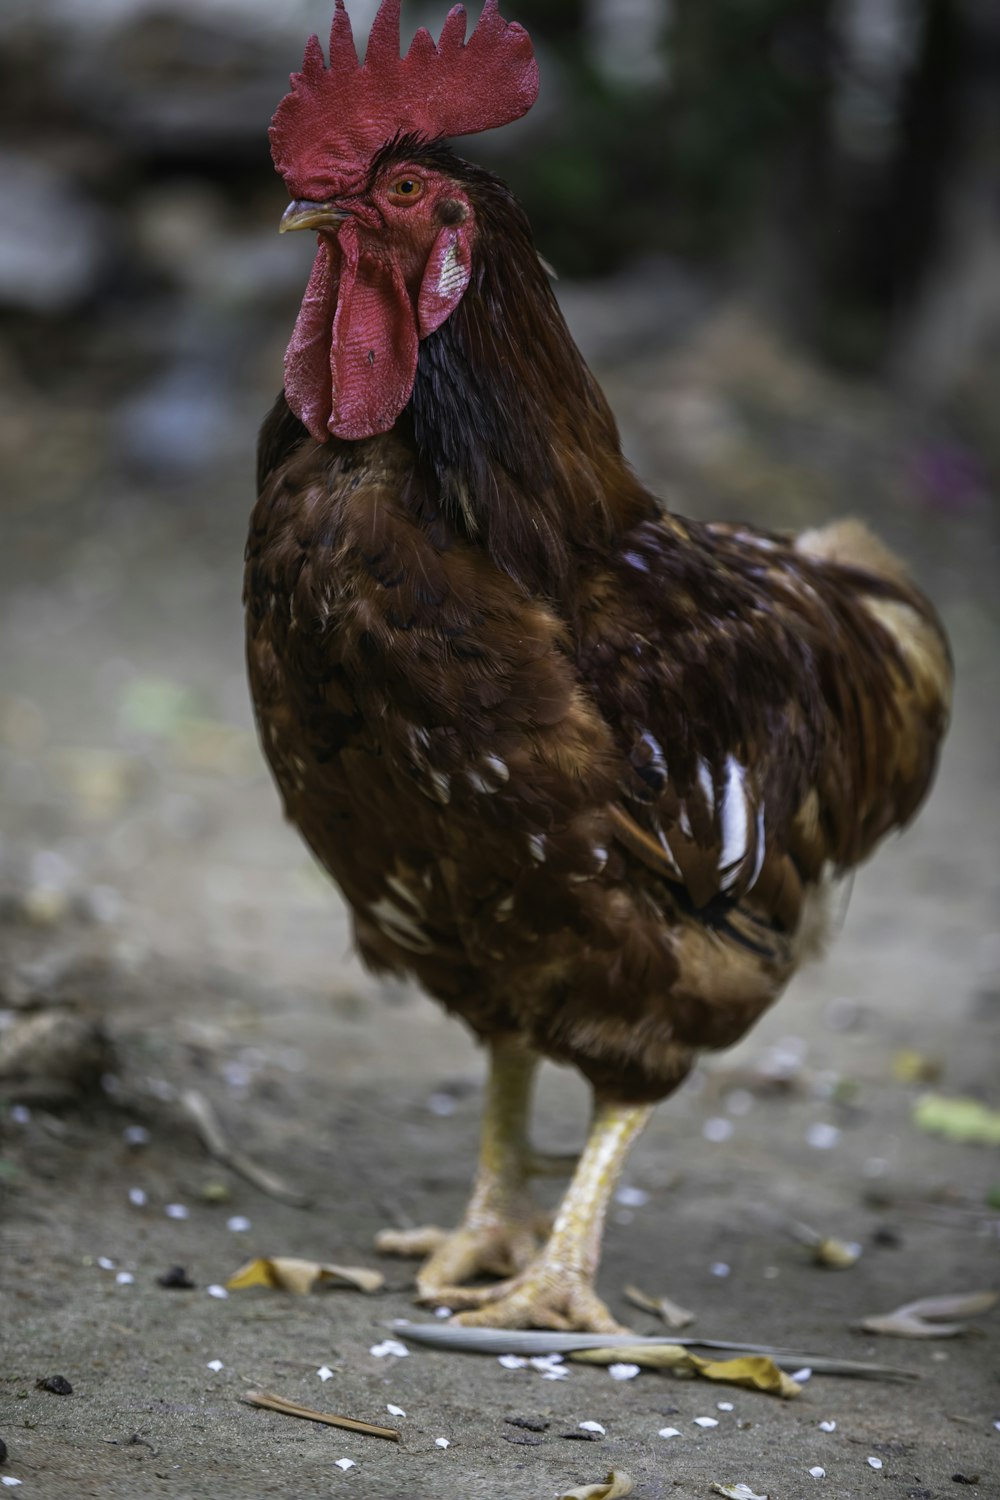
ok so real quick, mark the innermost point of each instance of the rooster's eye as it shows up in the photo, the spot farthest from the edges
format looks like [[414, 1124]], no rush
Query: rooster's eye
[[405, 190]]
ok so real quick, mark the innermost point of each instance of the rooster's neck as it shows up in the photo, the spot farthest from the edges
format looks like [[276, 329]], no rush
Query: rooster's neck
[[513, 434]]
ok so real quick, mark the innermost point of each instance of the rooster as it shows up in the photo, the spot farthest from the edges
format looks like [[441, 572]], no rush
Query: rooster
[[585, 769]]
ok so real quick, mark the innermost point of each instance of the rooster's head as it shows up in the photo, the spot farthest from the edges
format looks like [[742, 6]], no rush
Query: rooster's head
[[396, 228]]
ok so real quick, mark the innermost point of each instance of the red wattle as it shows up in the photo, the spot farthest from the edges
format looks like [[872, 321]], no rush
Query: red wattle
[[373, 352], [307, 359]]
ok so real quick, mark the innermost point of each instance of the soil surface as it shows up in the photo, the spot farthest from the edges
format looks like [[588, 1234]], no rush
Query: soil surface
[[149, 886]]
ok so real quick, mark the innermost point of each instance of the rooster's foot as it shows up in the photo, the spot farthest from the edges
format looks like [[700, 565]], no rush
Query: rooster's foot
[[540, 1297], [488, 1247]]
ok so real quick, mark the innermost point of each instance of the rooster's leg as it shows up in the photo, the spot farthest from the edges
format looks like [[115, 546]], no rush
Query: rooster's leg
[[557, 1289], [501, 1228]]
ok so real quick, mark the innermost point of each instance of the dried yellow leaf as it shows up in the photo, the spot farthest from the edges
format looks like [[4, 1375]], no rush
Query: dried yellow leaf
[[618, 1483], [757, 1372], [288, 1273], [966, 1121], [838, 1255]]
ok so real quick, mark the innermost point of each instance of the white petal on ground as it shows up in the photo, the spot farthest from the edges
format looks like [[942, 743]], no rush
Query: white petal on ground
[[623, 1371], [593, 1427], [389, 1346]]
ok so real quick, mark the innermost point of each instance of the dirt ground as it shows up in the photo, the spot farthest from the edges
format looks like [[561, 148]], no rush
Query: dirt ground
[[148, 883]]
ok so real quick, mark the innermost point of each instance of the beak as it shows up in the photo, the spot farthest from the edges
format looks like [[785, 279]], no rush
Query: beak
[[301, 214]]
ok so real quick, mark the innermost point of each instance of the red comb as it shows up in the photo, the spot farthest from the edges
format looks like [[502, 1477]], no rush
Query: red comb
[[336, 118]]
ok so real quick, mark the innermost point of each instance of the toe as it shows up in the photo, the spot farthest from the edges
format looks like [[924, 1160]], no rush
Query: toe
[[414, 1243]]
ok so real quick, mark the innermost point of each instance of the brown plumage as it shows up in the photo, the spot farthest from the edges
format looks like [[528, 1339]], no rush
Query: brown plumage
[[578, 766]]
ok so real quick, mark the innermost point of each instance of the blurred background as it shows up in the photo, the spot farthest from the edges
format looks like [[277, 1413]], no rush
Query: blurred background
[[776, 225]]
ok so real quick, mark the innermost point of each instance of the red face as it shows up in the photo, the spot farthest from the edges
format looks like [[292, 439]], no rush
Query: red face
[[393, 262]]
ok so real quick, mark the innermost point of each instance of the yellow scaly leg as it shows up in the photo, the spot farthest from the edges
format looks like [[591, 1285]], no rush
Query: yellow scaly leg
[[500, 1231], [557, 1289]]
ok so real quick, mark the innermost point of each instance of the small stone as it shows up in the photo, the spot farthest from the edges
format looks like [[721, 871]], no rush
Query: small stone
[[135, 1136], [137, 1197], [965, 1479], [818, 1473], [524, 1439], [105, 1262], [530, 1424], [176, 1279], [215, 1192], [822, 1136], [57, 1384], [717, 1129], [719, 1268], [874, 1463], [578, 1436], [3, 1451], [631, 1197], [124, 1278], [442, 1105], [176, 1211], [216, 1291], [238, 1224], [887, 1238]]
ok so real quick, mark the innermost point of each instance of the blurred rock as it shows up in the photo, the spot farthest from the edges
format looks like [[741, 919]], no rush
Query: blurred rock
[[52, 240], [52, 1055]]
